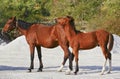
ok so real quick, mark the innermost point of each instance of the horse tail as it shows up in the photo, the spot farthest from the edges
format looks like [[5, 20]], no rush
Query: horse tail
[[111, 42]]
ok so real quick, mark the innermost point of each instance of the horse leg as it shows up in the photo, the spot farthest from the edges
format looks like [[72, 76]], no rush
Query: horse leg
[[106, 54], [40, 58], [75, 53], [103, 68], [66, 55], [63, 63], [111, 42], [72, 56], [61, 67], [32, 47], [76, 60], [110, 63]]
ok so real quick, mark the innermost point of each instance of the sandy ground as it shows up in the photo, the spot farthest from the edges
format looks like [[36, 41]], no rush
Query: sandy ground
[[15, 60]]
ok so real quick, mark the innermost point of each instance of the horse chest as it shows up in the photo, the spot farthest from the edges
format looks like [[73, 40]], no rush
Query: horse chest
[[87, 45]]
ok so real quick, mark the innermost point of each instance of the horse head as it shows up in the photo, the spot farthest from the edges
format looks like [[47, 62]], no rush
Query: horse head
[[67, 21], [64, 20], [10, 25]]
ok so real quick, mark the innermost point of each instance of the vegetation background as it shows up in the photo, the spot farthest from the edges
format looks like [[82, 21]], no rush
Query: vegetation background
[[89, 15]]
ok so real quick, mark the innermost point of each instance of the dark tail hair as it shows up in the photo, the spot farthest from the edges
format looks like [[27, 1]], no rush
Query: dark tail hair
[[111, 42]]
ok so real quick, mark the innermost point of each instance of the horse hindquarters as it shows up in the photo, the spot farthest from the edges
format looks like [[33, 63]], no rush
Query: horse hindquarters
[[106, 51], [107, 56], [110, 46]]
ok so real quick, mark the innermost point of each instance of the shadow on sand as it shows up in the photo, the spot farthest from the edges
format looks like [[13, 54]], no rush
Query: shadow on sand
[[83, 69], [96, 69], [5, 68]]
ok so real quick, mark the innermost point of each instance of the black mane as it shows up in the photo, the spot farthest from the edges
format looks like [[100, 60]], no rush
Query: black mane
[[23, 24]]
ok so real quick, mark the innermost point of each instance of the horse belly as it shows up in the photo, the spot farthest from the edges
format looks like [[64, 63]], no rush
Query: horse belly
[[87, 45], [48, 43]]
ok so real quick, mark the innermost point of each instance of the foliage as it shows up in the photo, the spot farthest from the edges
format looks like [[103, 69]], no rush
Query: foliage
[[89, 14], [108, 18]]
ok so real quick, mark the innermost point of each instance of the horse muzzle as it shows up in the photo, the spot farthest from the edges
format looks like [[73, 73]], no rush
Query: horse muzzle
[[3, 32]]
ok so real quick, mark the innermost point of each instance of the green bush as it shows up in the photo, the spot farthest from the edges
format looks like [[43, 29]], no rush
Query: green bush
[[88, 14]]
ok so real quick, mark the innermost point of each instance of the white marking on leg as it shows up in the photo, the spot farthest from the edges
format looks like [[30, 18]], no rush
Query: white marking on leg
[[103, 69], [60, 69], [68, 72], [110, 66]]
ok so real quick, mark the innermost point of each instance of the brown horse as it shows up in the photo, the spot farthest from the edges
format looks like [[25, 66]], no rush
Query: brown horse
[[86, 41], [38, 35]]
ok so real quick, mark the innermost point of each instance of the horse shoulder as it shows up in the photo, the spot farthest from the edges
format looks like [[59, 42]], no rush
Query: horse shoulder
[[31, 35]]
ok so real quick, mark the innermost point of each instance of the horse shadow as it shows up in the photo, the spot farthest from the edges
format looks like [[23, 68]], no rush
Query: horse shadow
[[96, 69], [83, 69], [114, 68], [9, 68], [12, 68]]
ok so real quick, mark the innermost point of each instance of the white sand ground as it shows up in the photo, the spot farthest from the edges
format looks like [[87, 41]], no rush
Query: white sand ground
[[15, 60]]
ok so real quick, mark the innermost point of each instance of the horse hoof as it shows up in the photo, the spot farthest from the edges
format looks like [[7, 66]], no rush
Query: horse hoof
[[60, 69], [75, 73], [68, 72], [29, 70], [39, 70], [108, 72], [101, 73]]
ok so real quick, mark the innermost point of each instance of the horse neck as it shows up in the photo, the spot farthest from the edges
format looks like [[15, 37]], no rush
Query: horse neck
[[53, 32], [24, 32], [70, 32], [23, 26]]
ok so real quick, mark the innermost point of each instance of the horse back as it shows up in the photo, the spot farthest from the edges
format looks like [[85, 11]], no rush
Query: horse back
[[42, 35], [84, 40]]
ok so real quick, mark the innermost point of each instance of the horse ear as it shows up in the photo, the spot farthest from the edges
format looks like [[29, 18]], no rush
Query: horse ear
[[70, 18]]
